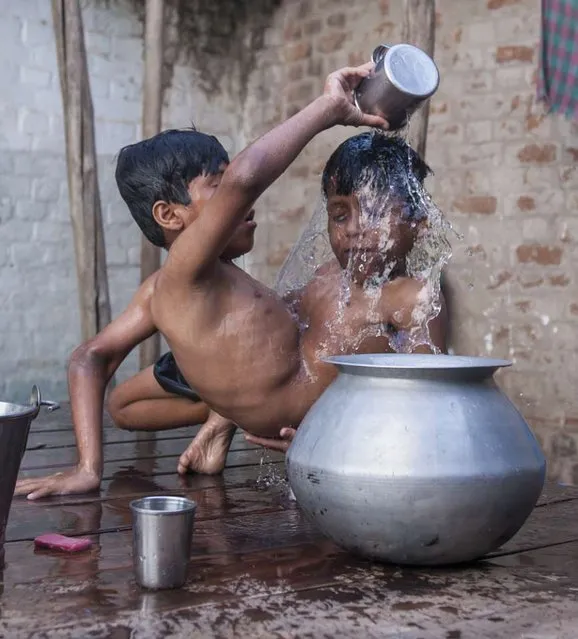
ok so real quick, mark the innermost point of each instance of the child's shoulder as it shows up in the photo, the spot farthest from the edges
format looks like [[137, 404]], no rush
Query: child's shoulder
[[332, 266], [406, 289]]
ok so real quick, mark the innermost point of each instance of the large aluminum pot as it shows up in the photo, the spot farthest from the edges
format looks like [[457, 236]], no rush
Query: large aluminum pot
[[416, 459], [15, 423]]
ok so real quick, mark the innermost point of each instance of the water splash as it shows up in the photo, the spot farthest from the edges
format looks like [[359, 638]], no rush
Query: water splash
[[387, 204], [387, 198], [269, 475]]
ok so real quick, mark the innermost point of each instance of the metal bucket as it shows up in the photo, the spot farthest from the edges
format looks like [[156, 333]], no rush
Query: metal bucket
[[15, 421]]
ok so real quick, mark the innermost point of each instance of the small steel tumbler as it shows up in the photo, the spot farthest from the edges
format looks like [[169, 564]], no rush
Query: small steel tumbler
[[162, 534]]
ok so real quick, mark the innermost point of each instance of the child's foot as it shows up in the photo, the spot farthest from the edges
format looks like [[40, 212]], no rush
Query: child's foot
[[207, 452]]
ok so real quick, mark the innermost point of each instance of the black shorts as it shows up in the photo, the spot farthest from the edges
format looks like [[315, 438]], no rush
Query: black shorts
[[171, 379]]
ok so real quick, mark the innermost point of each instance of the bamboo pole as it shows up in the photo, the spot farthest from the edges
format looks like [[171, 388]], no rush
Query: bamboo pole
[[84, 197], [151, 125], [419, 30]]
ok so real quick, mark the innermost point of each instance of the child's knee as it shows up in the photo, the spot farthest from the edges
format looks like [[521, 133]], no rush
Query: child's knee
[[116, 406]]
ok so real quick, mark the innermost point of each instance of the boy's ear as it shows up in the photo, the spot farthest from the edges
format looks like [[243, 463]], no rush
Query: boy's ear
[[166, 216]]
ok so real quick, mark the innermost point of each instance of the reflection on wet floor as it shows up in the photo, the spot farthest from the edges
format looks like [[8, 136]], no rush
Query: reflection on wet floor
[[257, 567]]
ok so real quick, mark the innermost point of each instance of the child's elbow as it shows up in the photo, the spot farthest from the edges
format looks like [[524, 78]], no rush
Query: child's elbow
[[87, 356], [241, 175]]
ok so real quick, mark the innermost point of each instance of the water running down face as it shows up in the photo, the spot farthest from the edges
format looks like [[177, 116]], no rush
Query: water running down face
[[370, 240], [374, 190]]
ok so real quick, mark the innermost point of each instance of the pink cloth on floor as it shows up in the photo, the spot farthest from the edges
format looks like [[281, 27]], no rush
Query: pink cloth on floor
[[55, 541]]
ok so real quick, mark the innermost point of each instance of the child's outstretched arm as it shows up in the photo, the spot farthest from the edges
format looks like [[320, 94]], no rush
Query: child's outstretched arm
[[91, 367], [256, 168]]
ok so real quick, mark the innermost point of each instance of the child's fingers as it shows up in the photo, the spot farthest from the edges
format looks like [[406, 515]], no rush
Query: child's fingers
[[183, 465], [368, 66], [374, 121], [26, 486], [41, 492], [279, 445], [288, 433]]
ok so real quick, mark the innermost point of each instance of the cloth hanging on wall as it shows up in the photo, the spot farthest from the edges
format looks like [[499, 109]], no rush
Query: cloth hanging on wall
[[558, 72]]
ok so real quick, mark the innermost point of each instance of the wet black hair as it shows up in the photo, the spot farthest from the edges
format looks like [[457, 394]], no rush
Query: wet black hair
[[385, 162], [161, 168]]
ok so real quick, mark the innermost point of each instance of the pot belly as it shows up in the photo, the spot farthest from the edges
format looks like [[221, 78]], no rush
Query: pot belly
[[417, 521], [416, 472]]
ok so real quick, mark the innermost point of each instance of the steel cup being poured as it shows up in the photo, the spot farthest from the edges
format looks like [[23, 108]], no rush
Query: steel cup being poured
[[403, 78]]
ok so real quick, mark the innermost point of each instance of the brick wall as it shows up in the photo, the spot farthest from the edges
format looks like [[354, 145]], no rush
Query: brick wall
[[506, 177], [39, 321]]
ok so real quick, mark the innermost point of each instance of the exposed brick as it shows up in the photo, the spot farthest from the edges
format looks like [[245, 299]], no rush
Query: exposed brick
[[539, 254], [384, 6], [293, 31], [476, 251], [533, 121], [573, 309], [305, 8], [337, 20], [498, 279], [297, 51], [559, 280], [526, 203], [438, 108], [537, 153], [500, 4], [312, 27], [523, 306], [517, 53], [477, 204], [572, 152], [331, 42]]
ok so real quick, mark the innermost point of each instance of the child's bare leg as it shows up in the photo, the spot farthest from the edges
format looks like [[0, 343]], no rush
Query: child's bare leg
[[141, 404], [207, 453]]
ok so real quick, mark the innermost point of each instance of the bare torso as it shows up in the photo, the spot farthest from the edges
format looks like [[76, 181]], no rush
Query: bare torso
[[257, 360], [342, 320], [238, 346]]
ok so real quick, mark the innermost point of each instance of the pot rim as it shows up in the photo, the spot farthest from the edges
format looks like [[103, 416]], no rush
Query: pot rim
[[405, 361], [184, 505]]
